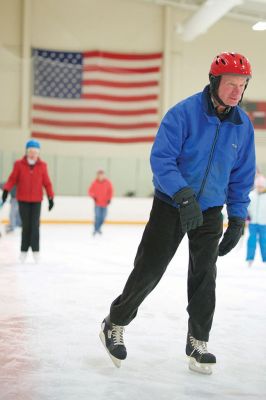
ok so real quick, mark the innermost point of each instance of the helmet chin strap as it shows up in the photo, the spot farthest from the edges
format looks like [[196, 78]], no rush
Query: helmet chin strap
[[220, 101], [214, 86]]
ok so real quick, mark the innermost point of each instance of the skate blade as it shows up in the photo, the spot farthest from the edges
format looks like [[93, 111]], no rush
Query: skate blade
[[115, 360], [201, 368]]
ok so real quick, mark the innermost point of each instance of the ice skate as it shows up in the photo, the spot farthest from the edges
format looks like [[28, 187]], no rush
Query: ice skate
[[111, 336], [200, 360], [36, 256], [250, 263], [22, 256], [9, 229]]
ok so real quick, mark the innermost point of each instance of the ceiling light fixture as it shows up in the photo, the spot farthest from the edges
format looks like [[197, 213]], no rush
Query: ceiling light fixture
[[259, 26]]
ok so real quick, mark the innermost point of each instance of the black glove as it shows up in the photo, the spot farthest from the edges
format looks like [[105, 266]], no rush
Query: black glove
[[51, 204], [4, 195], [190, 212], [232, 235]]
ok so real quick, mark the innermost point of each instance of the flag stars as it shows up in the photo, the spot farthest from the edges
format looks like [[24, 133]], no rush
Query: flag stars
[[57, 74]]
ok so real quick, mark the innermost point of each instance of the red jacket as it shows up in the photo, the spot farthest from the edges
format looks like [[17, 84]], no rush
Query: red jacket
[[101, 192], [30, 181]]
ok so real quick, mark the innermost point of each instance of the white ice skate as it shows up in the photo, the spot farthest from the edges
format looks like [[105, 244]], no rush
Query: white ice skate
[[23, 256], [249, 263], [36, 256]]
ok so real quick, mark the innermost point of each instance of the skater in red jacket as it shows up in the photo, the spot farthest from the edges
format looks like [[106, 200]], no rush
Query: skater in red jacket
[[101, 190], [30, 176]]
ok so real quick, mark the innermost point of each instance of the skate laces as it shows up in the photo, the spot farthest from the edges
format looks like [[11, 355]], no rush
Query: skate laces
[[117, 334], [198, 345]]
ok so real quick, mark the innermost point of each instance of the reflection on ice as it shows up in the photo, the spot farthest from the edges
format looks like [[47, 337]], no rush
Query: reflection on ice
[[50, 315]]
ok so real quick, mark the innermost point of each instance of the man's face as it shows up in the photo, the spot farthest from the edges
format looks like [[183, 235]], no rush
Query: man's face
[[231, 89]]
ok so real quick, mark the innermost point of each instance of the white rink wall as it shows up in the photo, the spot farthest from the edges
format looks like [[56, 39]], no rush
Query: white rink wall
[[68, 209], [81, 210]]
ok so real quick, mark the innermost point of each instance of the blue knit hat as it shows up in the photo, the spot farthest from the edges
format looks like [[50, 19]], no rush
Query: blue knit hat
[[33, 144]]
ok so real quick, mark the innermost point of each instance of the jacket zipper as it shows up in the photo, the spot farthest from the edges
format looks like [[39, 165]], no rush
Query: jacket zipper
[[31, 177], [209, 162]]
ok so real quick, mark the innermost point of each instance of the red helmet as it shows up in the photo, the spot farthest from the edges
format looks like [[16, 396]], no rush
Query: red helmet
[[232, 64]]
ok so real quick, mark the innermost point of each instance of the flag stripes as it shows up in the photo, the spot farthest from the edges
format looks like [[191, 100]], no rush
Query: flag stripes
[[95, 96]]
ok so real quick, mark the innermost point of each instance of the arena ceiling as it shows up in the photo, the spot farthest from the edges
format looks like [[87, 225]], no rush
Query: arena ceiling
[[205, 13]]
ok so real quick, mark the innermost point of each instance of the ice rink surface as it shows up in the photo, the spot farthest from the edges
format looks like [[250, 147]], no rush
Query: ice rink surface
[[50, 315]]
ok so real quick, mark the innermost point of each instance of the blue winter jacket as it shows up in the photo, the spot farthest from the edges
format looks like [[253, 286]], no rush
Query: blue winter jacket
[[215, 158]]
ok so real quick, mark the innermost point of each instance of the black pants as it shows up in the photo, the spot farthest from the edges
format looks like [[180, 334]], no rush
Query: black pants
[[30, 218], [159, 243]]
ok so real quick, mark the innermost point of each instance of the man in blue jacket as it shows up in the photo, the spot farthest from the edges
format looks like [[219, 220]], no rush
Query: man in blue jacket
[[203, 157]]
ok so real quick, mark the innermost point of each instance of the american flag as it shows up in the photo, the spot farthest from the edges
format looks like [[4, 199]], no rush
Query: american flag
[[95, 96]]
